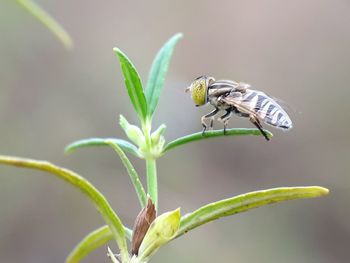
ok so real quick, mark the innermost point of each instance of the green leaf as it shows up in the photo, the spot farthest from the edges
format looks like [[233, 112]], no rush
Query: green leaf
[[157, 74], [133, 132], [140, 191], [133, 85], [86, 187], [92, 241], [235, 205], [157, 135], [118, 145], [161, 231], [210, 134], [48, 21], [125, 145], [245, 202]]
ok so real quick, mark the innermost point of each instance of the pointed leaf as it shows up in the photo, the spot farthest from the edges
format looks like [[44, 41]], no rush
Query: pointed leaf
[[125, 145], [118, 146], [245, 202], [158, 134], [133, 132], [158, 71], [133, 85], [235, 205], [134, 177], [46, 19], [211, 134], [84, 186], [92, 241]]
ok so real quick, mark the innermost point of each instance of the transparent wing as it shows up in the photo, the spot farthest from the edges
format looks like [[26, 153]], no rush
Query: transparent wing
[[261, 106]]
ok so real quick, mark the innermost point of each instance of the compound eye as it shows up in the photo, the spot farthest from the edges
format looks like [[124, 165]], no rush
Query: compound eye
[[199, 92]]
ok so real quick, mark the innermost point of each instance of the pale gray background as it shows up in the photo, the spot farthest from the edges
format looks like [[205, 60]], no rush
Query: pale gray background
[[295, 50]]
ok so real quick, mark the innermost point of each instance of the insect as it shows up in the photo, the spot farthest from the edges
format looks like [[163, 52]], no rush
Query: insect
[[238, 98]]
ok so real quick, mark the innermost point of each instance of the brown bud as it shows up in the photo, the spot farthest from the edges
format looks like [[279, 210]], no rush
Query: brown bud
[[141, 225]]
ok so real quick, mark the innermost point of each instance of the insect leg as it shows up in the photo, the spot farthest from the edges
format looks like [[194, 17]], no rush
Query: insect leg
[[257, 123], [224, 118], [211, 123], [209, 115]]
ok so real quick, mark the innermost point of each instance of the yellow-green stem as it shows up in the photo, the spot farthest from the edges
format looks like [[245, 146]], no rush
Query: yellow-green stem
[[152, 184]]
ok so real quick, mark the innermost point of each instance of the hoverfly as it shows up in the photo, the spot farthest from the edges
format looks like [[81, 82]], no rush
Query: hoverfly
[[237, 97]]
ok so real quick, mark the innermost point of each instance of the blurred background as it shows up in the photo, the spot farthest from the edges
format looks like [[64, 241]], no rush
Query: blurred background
[[297, 51]]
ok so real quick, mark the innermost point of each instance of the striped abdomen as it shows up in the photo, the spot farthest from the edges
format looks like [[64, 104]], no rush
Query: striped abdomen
[[265, 108]]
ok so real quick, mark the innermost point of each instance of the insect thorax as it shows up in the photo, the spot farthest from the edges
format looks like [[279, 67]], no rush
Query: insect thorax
[[220, 90], [218, 103]]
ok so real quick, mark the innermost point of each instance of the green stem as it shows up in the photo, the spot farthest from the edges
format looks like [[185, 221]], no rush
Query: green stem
[[152, 184], [87, 188]]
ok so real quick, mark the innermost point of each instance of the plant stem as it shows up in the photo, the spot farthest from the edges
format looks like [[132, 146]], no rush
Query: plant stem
[[152, 184]]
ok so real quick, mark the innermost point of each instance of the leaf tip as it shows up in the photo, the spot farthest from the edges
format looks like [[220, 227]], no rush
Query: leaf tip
[[68, 149], [315, 191], [179, 35], [178, 211], [123, 122], [68, 43], [119, 52], [269, 134], [322, 190]]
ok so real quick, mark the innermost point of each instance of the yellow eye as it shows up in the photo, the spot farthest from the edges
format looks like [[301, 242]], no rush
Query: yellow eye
[[199, 91]]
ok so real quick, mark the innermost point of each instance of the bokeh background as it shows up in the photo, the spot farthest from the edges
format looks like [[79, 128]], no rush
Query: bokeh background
[[297, 51]]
